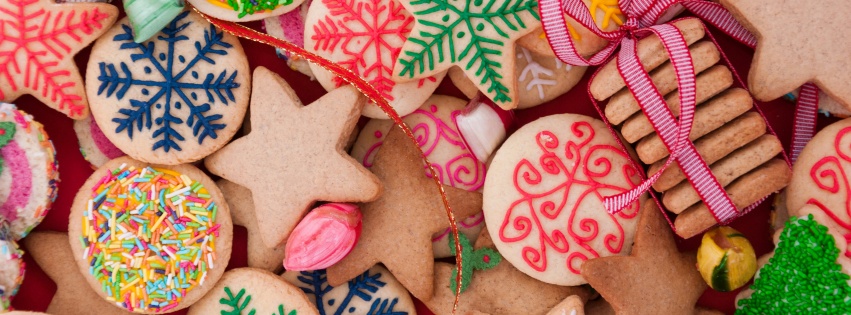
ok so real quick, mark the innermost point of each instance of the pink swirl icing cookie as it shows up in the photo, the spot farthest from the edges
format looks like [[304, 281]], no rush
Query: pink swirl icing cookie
[[543, 197], [28, 182], [434, 126], [94, 145]]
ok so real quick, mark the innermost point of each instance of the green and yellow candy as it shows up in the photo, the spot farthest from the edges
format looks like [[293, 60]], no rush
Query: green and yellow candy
[[725, 259]]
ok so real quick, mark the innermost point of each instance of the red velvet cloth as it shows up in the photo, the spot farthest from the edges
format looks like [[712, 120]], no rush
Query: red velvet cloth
[[37, 290]]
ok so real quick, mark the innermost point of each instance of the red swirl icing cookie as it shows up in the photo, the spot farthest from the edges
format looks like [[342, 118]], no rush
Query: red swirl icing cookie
[[543, 197], [434, 126]]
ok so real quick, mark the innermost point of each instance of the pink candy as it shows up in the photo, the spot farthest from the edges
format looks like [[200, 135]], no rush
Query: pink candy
[[324, 237]]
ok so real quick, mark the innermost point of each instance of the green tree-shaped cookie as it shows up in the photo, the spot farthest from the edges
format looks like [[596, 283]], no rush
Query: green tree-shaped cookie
[[471, 259]]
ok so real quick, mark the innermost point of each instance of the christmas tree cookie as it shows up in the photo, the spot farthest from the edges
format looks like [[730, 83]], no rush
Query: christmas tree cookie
[[249, 291]]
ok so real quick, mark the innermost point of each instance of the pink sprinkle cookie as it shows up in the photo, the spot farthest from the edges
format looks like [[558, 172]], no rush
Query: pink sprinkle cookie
[[94, 145], [28, 182], [324, 237]]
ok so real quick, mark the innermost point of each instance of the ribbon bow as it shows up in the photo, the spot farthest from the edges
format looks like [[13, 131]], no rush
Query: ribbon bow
[[641, 17]]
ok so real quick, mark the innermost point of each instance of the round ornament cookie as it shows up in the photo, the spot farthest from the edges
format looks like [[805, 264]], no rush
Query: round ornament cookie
[[245, 291], [375, 291], [540, 78], [94, 145], [150, 238], [245, 10], [366, 37], [173, 99], [820, 177], [434, 126], [543, 197], [30, 172], [11, 266]]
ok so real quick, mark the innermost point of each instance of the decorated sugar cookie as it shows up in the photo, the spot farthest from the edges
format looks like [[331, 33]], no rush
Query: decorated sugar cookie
[[607, 16], [245, 291], [434, 125], [290, 27], [30, 172], [375, 291], [11, 266], [820, 177], [245, 10], [173, 99], [94, 145], [135, 226], [540, 78], [478, 37], [543, 197], [38, 41], [366, 37]]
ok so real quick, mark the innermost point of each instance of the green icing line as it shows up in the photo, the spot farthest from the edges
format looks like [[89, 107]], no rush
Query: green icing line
[[480, 259], [802, 277], [246, 7], [720, 278]]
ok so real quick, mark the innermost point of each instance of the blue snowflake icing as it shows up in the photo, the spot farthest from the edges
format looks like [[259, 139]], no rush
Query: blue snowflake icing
[[361, 287], [217, 88]]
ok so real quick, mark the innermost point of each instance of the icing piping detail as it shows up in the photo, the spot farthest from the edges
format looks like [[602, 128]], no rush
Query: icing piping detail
[[362, 287], [830, 176]]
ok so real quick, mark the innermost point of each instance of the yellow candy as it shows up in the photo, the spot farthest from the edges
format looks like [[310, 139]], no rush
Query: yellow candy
[[725, 259]]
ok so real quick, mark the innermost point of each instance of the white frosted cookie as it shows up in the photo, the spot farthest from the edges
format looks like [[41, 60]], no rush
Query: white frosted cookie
[[244, 291], [543, 197]]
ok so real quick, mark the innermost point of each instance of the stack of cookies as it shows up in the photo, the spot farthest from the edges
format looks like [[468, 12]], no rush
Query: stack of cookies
[[731, 138]]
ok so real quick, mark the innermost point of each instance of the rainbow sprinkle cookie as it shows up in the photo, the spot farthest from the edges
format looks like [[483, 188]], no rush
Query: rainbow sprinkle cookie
[[151, 236]]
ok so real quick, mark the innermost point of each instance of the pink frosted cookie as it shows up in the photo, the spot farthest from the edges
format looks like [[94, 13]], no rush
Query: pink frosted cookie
[[366, 37], [11, 266], [28, 182], [543, 197], [94, 145], [290, 27], [434, 125]]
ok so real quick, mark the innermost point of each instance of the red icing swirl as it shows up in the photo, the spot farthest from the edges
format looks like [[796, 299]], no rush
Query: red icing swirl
[[829, 175]]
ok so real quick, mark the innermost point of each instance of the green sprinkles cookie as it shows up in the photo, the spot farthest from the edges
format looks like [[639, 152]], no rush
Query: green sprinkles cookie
[[802, 277]]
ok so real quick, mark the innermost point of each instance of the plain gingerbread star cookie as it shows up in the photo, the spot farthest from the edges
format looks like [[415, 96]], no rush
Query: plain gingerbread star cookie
[[294, 155], [655, 279], [797, 42], [38, 41], [52, 253], [397, 227], [241, 204]]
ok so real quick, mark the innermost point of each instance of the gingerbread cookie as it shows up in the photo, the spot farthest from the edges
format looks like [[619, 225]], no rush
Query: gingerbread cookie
[[366, 37], [241, 205], [94, 145], [40, 39], [11, 266], [29, 178], [173, 99], [245, 10], [543, 197], [375, 291], [477, 38], [250, 291], [171, 226], [820, 176], [434, 125], [303, 144], [793, 47], [290, 27], [731, 138], [541, 78]]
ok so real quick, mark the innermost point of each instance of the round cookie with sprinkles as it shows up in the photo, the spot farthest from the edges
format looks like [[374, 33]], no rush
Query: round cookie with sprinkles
[[150, 238], [290, 27], [94, 145], [11, 266], [29, 176], [245, 10]]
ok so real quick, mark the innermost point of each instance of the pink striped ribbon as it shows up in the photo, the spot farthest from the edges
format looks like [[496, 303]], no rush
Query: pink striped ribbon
[[806, 111]]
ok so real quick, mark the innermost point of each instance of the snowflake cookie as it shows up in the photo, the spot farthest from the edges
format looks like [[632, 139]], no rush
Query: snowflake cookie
[[366, 37], [245, 10], [543, 197], [375, 292], [38, 41], [174, 99], [248, 291]]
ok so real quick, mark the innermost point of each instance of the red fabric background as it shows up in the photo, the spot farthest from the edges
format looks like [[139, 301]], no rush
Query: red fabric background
[[37, 290]]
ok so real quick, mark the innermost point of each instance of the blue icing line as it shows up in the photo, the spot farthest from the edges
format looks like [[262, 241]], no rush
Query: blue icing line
[[362, 287], [218, 89]]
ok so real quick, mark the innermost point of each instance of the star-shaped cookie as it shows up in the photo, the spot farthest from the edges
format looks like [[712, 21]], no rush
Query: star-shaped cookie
[[74, 296], [397, 227], [500, 290], [477, 36], [797, 42], [38, 41], [655, 278], [294, 155], [241, 204]]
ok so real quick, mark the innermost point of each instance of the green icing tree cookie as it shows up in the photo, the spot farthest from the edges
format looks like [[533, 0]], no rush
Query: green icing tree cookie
[[476, 35], [802, 277]]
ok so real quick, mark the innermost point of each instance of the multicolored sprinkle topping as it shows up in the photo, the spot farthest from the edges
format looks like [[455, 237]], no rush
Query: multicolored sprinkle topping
[[149, 236], [248, 7]]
